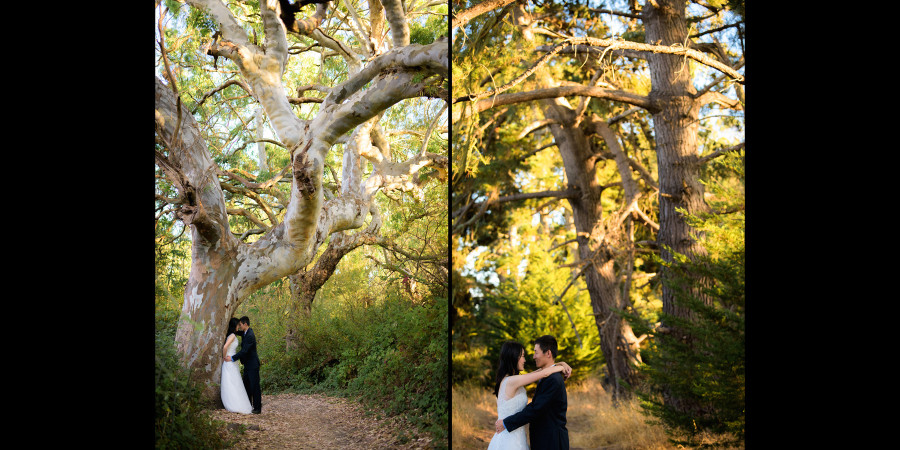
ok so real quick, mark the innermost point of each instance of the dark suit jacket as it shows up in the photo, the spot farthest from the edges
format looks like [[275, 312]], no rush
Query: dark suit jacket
[[247, 355], [546, 413]]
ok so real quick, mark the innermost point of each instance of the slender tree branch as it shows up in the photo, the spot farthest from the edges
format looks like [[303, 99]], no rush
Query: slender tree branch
[[249, 215], [567, 193], [389, 244], [301, 100], [720, 152], [255, 197], [223, 86], [625, 114], [555, 92], [677, 49], [721, 99], [616, 13], [714, 30], [312, 87], [459, 19], [540, 62], [534, 126], [570, 241], [431, 127], [493, 198]]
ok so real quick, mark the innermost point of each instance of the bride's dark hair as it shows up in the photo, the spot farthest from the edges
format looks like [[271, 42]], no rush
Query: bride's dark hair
[[232, 326], [510, 352]]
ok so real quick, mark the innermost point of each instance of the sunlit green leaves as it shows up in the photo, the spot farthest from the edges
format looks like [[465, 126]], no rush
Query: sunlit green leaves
[[433, 27]]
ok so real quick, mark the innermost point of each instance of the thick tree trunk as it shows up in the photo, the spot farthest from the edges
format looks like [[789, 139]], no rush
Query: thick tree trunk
[[676, 126], [617, 340]]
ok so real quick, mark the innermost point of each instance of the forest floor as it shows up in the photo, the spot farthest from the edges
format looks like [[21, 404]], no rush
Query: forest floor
[[314, 421]]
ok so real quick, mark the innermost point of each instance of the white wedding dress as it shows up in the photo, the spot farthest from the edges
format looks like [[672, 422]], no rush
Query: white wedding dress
[[234, 396], [505, 408]]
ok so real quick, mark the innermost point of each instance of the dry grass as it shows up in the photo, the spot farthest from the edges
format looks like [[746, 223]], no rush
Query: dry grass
[[591, 420]]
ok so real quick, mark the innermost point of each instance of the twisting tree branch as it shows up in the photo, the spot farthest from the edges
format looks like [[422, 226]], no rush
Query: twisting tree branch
[[493, 199], [609, 44], [223, 86]]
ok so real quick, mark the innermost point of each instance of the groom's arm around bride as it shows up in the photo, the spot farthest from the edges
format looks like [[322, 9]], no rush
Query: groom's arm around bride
[[546, 413], [248, 346]]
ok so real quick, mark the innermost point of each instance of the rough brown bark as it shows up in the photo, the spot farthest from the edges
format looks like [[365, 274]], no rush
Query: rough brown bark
[[595, 243], [676, 125]]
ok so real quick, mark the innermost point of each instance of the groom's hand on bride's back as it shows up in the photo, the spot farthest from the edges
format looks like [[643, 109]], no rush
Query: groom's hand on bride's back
[[498, 426]]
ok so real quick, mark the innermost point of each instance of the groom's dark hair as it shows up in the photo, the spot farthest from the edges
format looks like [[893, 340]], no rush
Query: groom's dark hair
[[547, 342], [246, 320]]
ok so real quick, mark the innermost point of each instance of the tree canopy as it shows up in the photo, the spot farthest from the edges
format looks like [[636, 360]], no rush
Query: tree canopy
[[287, 137]]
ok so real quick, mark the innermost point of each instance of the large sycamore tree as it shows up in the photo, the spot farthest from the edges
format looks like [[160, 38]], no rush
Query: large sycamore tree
[[357, 60], [622, 107]]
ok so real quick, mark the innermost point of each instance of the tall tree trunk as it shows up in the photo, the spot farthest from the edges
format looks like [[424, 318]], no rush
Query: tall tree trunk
[[676, 126], [595, 244]]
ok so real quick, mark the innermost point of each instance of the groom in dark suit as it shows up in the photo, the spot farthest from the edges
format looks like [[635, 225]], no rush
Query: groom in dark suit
[[248, 357], [547, 411]]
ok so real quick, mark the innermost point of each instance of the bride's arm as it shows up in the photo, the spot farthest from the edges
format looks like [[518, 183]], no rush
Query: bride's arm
[[517, 381], [227, 343], [567, 371]]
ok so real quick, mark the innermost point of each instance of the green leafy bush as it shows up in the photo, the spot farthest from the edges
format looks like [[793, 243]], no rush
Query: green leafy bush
[[523, 310], [392, 355], [180, 419], [695, 385]]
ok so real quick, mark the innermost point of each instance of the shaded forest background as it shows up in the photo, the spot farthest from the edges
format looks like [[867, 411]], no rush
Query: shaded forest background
[[367, 338]]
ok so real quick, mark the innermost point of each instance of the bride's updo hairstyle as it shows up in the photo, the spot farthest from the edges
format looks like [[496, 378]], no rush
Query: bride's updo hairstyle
[[510, 352], [232, 326]]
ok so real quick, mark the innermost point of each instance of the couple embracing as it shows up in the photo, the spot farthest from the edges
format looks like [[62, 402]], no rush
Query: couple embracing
[[547, 411], [234, 387]]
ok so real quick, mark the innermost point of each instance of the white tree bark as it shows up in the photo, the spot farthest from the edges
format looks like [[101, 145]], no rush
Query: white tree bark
[[261, 146], [225, 270]]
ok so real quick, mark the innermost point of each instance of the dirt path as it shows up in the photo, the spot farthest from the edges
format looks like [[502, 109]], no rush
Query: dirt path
[[312, 421]]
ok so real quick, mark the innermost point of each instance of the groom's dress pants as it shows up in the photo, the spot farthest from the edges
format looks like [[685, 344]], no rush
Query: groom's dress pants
[[251, 384]]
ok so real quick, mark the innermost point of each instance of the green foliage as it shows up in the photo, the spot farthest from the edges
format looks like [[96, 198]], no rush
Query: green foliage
[[363, 339], [181, 421], [392, 354], [524, 309], [434, 27], [706, 370]]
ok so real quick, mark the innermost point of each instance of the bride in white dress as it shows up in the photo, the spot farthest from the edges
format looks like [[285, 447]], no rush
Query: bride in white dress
[[510, 392], [234, 395]]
